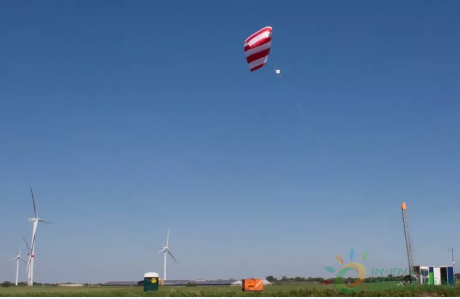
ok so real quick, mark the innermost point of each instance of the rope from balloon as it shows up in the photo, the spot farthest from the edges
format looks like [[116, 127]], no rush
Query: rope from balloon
[[302, 113]]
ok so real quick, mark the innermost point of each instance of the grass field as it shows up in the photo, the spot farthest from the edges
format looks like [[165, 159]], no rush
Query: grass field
[[292, 290]]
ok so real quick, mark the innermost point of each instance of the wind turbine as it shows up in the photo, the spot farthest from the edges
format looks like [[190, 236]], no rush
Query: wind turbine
[[165, 249], [30, 262], [18, 258]]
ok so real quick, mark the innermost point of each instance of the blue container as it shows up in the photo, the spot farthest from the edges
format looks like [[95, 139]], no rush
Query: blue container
[[450, 276]]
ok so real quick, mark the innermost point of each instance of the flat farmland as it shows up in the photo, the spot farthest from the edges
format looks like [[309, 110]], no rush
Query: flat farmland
[[282, 290]]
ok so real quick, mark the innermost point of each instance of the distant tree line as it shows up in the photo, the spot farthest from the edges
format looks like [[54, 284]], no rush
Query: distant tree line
[[20, 283], [6, 284]]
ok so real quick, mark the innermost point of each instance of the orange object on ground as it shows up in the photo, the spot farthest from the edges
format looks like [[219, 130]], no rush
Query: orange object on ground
[[252, 284], [328, 281]]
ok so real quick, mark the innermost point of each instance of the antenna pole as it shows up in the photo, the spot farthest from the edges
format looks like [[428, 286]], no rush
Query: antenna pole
[[406, 234], [453, 261]]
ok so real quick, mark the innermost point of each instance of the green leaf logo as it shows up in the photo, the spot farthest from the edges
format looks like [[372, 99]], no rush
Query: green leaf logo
[[363, 257]]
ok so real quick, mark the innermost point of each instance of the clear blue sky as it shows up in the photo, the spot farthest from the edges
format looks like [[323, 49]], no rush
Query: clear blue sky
[[131, 117]]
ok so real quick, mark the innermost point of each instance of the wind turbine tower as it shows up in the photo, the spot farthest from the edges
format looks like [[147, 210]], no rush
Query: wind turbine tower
[[30, 262], [408, 243], [18, 258], [165, 249]]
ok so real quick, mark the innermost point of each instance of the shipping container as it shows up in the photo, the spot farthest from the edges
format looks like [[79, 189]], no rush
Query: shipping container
[[424, 276], [437, 275], [450, 276], [443, 271]]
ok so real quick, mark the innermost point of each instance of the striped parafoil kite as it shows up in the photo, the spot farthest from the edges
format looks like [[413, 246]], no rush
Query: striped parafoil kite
[[257, 48]]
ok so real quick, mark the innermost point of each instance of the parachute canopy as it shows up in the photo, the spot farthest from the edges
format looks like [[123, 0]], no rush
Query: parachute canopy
[[257, 48]]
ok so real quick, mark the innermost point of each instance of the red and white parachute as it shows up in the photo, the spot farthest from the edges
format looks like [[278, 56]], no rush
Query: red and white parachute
[[257, 48]]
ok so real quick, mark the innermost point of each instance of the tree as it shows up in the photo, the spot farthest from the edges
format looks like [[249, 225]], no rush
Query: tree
[[7, 284], [270, 278]]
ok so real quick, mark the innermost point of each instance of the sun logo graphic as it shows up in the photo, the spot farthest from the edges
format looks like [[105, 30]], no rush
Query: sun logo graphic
[[360, 270]]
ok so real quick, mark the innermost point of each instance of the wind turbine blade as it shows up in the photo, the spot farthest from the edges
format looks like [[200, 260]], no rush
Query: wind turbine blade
[[28, 265], [26, 244], [161, 251], [167, 239], [33, 200], [44, 221], [23, 261], [171, 255]]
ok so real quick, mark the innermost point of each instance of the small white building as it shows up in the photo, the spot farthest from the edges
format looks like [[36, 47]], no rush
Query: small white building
[[70, 285]]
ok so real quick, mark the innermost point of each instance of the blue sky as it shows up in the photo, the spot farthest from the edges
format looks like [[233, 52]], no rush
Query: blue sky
[[129, 118]]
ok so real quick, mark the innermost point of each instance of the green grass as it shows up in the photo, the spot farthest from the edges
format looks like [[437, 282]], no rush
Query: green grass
[[291, 290]]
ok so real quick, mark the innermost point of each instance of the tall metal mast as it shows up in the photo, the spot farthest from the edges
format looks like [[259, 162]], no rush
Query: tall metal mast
[[408, 243]]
